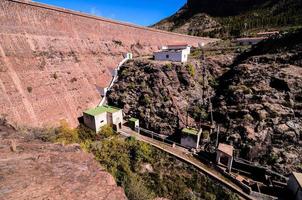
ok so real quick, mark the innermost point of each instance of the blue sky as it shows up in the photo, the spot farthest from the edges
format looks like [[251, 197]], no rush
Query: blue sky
[[141, 12]]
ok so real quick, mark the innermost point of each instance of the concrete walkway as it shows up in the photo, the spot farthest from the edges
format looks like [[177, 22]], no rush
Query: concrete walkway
[[184, 155], [114, 78]]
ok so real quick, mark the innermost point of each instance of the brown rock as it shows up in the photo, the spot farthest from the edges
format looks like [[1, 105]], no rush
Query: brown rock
[[39, 170]]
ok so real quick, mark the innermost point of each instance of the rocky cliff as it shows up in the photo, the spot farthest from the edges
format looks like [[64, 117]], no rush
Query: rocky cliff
[[51, 59], [161, 93], [33, 169], [258, 103], [256, 99]]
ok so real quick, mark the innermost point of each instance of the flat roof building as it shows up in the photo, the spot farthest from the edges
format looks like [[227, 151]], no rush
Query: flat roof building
[[174, 53], [190, 137], [224, 155], [98, 117]]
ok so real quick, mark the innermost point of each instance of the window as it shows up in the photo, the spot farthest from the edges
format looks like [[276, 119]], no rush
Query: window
[[167, 56], [101, 121]]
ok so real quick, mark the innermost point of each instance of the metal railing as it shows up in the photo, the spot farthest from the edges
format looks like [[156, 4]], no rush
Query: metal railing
[[159, 137]]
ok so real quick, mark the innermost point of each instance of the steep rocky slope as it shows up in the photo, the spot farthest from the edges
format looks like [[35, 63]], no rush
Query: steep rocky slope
[[233, 17], [256, 99], [161, 93], [32, 169], [258, 103], [51, 59]]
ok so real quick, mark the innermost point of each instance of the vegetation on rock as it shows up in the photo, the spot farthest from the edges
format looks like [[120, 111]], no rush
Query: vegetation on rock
[[143, 171]]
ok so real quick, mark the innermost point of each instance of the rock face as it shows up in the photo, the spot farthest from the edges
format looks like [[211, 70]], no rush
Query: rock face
[[161, 93], [32, 169], [258, 102], [51, 59]]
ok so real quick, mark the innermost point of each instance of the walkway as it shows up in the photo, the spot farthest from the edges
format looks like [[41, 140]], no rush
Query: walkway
[[114, 78], [183, 155]]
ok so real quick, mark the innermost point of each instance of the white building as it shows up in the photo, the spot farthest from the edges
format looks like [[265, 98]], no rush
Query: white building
[[98, 117], [174, 53], [294, 186]]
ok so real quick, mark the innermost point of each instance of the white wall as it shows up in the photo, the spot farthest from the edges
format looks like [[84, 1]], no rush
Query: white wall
[[117, 117], [97, 122], [178, 56], [100, 121]]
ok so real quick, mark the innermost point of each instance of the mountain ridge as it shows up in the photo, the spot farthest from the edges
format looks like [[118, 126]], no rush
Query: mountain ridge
[[233, 17]]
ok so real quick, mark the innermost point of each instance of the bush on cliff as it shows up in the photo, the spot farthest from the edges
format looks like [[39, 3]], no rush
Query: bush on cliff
[[66, 135], [126, 160], [191, 69]]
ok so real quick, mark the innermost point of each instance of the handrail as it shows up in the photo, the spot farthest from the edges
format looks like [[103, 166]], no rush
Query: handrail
[[115, 77]]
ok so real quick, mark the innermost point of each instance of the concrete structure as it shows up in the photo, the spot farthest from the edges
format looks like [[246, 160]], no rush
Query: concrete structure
[[267, 34], [294, 186], [174, 53], [190, 137], [98, 117], [133, 123], [102, 90], [128, 56], [224, 155], [249, 41], [34, 36]]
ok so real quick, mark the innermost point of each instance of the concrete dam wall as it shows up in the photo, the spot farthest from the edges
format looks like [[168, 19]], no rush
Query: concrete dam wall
[[51, 59]]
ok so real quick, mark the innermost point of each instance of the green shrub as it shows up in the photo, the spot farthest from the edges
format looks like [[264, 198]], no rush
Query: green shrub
[[107, 131], [132, 86], [146, 100], [196, 53], [205, 134], [240, 88], [191, 69], [136, 189], [67, 135], [168, 66], [198, 112], [124, 158]]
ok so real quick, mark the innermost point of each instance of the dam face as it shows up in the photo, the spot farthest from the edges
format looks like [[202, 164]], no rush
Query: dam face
[[51, 59]]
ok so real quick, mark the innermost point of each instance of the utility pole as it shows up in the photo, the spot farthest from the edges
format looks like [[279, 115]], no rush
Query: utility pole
[[202, 58], [211, 111], [147, 116], [187, 117], [217, 137]]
